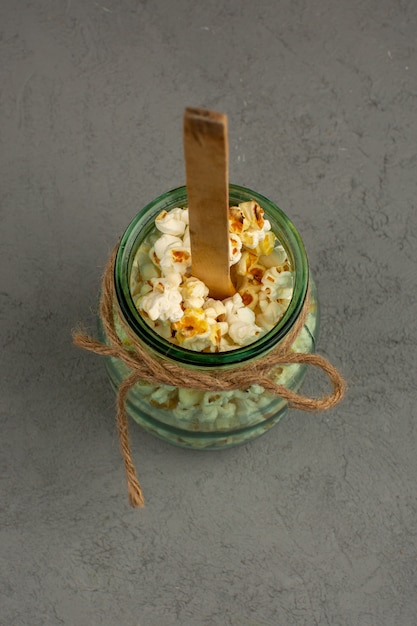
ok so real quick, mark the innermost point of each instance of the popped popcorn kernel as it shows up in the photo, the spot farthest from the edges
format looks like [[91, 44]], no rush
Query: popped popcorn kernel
[[193, 331], [164, 301], [236, 220], [245, 263], [250, 294], [278, 285], [189, 397], [256, 273], [172, 223], [249, 214], [252, 238], [194, 293], [215, 308], [271, 314], [192, 323]]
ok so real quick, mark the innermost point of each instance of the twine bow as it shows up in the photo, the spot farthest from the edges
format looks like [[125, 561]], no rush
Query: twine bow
[[149, 368]]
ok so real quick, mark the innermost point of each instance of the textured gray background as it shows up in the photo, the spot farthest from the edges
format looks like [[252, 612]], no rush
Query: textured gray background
[[313, 524]]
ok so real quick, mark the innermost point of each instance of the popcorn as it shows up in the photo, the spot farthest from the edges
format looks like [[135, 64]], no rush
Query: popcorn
[[271, 314], [252, 238], [242, 329], [215, 308], [176, 304], [278, 285], [253, 215], [245, 263], [241, 320], [192, 331], [247, 216], [232, 305], [162, 245], [164, 301], [256, 273], [247, 222], [188, 398], [216, 409], [170, 254], [163, 396], [249, 293], [217, 332], [172, 223], [194, 292]]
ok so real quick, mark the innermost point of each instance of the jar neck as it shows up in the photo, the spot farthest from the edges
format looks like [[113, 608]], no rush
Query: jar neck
[[139, 229]]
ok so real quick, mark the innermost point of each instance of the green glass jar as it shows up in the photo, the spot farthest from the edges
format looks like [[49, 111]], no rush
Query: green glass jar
[[211, 419]]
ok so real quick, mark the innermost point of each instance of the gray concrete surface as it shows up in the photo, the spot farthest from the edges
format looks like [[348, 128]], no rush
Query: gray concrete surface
[[313, 524]]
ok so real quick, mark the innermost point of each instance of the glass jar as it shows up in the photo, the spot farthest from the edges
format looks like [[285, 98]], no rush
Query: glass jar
[[204, 419]]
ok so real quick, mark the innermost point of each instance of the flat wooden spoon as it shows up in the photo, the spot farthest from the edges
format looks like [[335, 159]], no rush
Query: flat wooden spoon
[[206, 167]]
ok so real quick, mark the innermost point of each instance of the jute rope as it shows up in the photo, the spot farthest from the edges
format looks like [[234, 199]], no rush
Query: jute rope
[[150, 368]]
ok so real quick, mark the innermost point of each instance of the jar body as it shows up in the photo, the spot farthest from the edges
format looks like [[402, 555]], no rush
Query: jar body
[[211, 419]]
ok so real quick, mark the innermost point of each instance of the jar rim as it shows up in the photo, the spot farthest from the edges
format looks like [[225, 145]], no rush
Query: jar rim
[[141, 225]]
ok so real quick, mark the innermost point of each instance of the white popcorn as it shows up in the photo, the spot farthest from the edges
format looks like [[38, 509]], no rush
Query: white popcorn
[[243, 334], [208, 413], [217, 406], [163, 396], [241, 320], [172, 223], [278, 285], [271, 314], [164, 301], [232, 305], [170, 254], [189, 397], [194, 292], [177, 260], [253, 213], [162, 244], [226, 413], [214, 308]]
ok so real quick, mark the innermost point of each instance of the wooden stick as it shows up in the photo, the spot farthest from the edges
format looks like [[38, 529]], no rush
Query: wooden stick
[[206, 165]]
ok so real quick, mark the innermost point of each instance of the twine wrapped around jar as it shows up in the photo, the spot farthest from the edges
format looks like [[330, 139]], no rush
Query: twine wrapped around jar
[[150, 368]]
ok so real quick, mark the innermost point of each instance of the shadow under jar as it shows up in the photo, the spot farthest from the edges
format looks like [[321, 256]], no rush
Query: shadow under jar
[[211, 419]]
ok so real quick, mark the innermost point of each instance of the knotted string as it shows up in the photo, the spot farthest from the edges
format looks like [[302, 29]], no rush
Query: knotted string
[[148, 367]]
